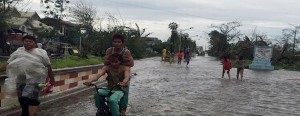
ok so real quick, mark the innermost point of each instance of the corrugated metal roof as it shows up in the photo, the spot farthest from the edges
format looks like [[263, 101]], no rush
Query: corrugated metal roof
[[38, 24], [27, 14], [16, 21], [31, 15]]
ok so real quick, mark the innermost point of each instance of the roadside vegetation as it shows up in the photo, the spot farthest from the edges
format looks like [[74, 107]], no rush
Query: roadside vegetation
[[69, 61]]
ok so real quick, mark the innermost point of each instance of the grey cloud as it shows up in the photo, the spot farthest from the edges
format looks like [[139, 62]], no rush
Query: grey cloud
[[227, 10]]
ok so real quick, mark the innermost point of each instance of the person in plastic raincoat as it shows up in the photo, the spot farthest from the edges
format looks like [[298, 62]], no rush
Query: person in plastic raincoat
[[30, 66]]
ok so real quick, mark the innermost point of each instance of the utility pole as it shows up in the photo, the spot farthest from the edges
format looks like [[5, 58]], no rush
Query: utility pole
[[180, 34], [173, 26], [82, 31]]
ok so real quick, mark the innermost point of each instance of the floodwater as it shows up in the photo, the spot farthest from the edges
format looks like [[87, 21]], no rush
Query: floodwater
[[161, 89], [164, 89]]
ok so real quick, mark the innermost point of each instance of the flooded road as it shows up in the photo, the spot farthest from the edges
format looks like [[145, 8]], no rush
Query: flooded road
[[175, 90], [164, 89]]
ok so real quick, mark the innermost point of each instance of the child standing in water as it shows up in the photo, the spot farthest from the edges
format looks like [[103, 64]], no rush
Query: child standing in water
[[240, 67], [226, 66], [164, 54], [187, 58], [179, 55]]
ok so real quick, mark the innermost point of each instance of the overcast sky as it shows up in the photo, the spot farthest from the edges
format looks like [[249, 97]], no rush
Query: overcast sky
[[268, 16]]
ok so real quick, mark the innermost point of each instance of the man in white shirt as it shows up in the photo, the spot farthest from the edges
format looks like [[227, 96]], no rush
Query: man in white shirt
[[30, 66]]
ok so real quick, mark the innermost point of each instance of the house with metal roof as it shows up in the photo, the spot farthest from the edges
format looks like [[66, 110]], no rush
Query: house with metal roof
[[20, 24], [25, 22]]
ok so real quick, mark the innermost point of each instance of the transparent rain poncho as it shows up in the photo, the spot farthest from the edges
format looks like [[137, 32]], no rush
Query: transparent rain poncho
[[25, 68]]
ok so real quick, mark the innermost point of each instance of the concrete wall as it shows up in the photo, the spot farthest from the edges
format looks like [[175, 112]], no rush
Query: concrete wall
[[64, 80]]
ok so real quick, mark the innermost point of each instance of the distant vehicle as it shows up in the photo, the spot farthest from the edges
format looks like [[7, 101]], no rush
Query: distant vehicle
[[59, 49]]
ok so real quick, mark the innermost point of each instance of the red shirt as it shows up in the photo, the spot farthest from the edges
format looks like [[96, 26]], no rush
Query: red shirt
[[180, 54]]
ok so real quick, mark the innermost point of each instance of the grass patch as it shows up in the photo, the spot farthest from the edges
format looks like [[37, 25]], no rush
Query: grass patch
[[74, 61], [293, 67], [69, 61]]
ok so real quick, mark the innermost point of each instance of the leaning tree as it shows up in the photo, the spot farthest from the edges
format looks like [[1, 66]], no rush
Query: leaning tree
[[229, 30], [85, 16]]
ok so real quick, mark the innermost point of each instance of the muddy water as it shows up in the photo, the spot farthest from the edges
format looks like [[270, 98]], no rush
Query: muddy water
[[175, 90], [164, 89]]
